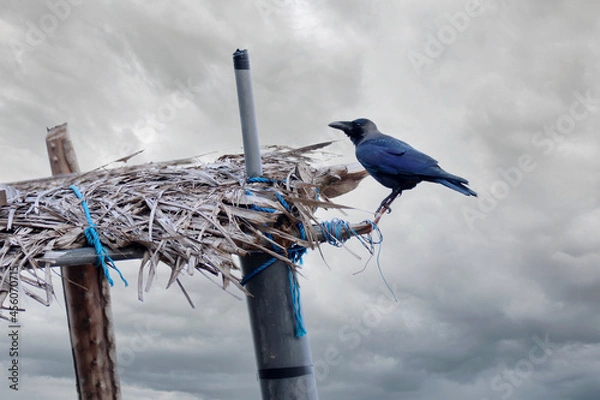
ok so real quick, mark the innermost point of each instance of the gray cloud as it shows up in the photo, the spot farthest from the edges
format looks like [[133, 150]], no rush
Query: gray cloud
[[480, 281]]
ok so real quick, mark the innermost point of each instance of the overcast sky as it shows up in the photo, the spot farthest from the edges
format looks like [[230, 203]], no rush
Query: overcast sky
[[498, 296]]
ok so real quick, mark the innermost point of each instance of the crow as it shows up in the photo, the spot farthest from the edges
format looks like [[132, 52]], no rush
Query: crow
[[394, 163]]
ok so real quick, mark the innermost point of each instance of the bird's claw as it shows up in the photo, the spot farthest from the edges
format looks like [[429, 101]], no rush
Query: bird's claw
[[383, 208]]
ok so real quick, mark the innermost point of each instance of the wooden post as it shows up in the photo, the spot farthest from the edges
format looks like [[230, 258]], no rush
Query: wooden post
[[87, 300]]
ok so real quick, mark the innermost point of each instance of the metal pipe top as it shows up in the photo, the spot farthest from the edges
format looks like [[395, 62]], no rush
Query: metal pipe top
[[241, 60]]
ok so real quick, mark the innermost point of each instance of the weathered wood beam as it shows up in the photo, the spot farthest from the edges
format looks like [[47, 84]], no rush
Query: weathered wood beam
[[87, 299]]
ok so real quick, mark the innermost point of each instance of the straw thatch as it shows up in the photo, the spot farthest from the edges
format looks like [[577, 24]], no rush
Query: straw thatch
[[187, 214]]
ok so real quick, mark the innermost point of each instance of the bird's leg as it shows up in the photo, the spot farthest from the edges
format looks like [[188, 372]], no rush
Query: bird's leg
[[385, 204]]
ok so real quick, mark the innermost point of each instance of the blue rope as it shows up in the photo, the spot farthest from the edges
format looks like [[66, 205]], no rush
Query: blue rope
[[257, 208], [93, 239], [295, 290], [333, 231], [294, 253], [260, 179], [258, 270], [282, 201], [336, 232]]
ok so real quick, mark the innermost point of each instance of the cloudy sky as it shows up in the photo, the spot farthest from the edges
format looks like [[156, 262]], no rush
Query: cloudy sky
[[498, 296]]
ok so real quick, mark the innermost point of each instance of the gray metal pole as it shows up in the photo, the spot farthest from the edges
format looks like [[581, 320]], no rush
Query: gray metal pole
[[284, 361], [87, 255], [243, 81]]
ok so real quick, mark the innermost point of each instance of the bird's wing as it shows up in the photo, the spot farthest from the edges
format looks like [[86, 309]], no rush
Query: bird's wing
[[392, 156]]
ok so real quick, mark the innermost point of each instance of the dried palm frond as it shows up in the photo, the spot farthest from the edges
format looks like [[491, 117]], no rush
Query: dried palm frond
[[187, 214]]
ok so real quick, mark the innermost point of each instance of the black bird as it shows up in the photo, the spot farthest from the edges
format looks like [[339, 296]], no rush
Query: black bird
[[394, 163]]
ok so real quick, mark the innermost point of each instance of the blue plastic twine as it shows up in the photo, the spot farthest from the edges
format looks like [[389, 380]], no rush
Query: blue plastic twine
[[294, 253], [93, 239], [295, 290], [257, 271], [337, 231]]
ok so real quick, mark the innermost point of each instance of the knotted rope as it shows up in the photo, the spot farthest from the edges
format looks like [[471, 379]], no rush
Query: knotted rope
[[294, 253], [91, 235]]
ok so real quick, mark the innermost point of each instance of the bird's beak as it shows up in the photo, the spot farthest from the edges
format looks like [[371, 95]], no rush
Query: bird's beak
[[345, 126]]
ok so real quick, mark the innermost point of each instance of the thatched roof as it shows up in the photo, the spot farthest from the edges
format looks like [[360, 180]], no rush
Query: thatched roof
[[190, 215]]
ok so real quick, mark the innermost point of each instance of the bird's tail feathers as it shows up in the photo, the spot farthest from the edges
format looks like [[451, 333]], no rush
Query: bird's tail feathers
[[457, 185]]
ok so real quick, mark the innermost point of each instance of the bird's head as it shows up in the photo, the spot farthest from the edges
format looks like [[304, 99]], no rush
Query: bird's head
[[357, 129]]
